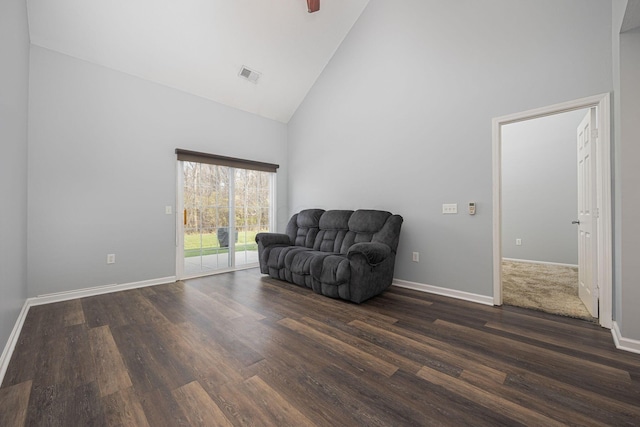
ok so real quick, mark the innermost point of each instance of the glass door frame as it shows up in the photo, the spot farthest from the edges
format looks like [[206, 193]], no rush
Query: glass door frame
[[180, 209]]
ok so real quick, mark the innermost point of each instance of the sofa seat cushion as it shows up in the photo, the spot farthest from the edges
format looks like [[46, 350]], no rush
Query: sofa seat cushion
[[332, 270], [278, 256], [303, 262], [296, 259], [327, 267], [331, 276]]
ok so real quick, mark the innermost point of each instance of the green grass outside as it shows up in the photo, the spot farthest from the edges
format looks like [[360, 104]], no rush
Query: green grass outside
[[210, 245]]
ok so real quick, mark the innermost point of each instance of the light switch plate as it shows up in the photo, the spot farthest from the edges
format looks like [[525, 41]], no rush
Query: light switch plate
[[450, 208]]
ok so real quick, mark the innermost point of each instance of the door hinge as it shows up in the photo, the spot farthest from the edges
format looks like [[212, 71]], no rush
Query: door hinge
[[596, 292], [596, 213], [594, 133]]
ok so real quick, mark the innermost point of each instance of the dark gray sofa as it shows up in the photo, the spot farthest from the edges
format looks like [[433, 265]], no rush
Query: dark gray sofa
[[338, 253]]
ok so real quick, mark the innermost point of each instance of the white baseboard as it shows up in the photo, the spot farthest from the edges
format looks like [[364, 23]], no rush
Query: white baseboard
[[13, 340], [97, 290], [65, 296], [622, 343], [540, 262], [467, 296]]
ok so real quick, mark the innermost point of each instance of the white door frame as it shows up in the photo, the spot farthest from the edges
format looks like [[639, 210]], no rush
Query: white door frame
[[603, 172], [180, 273], [179, 220]]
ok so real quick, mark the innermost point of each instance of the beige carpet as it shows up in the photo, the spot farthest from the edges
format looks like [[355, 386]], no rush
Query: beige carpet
[[549, 288]]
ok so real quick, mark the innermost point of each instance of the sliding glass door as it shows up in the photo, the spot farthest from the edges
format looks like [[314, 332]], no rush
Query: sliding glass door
[[223, 208], [251, 210]]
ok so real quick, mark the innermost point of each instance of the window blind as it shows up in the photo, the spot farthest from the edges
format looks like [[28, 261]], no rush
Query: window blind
[[214, 159]]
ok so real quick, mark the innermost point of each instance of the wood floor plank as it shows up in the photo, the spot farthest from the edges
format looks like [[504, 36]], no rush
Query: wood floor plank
[[600, 376], [203, 357], [242, 349], [597, 406], [14, 402], [284, 345], [495, 403], [346, 311], [440, 308], [368, 361], [548, 389], [61, 405], [563, 410], [237, 306], [613, 355], [198, 407], [123, 408], [275, 342], [366, 397], [382, 353], [436, 405], [66, 360], [111, 373], [120, 308], [205, 304], [162, 410], [333, 396], [280, 410], [238, 406], [43, 327], [149, 363], [220, 332], [433, 351], [304, 390]]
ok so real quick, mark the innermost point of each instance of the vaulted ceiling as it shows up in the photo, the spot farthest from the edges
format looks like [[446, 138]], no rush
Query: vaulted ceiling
[[199, 46]]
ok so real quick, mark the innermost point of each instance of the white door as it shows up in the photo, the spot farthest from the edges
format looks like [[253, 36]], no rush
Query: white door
[[587, 247]]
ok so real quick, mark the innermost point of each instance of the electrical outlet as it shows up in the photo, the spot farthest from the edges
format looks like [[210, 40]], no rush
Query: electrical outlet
[[518, 242], [416, 257], [111, 258], [450, 208]]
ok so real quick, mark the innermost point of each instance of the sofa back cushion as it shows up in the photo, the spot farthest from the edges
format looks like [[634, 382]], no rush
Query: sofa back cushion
[[303, 227], [334, 226], [363, 226], [389, 234], [337, 230]]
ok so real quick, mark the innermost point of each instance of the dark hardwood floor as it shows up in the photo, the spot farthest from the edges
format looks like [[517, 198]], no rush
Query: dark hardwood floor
[[240, 349]]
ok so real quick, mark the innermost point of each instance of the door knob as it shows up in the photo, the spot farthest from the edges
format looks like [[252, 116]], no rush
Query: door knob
[[575, 222]]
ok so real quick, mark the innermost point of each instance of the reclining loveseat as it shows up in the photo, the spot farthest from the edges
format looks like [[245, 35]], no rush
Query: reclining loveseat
[[337, 253]]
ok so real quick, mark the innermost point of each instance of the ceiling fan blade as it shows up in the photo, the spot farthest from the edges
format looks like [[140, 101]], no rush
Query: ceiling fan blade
[[313, 5]]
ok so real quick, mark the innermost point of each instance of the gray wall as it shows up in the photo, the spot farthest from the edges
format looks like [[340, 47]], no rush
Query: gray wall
[[540, 189], [629, 196], [14, 78], [617, 15], [102, 168], [400, 119]]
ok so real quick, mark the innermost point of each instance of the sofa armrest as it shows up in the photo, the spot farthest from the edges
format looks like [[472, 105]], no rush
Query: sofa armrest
[[373, 252], [270, 239]]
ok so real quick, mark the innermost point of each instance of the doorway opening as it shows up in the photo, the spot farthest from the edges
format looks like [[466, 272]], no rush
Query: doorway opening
[[224, 204], [540, 268], [538, 216]]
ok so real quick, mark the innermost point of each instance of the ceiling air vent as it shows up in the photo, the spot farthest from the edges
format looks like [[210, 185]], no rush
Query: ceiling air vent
[[249, 74]]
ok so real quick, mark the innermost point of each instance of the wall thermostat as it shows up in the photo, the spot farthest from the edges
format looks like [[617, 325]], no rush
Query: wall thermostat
[[472, 208]]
